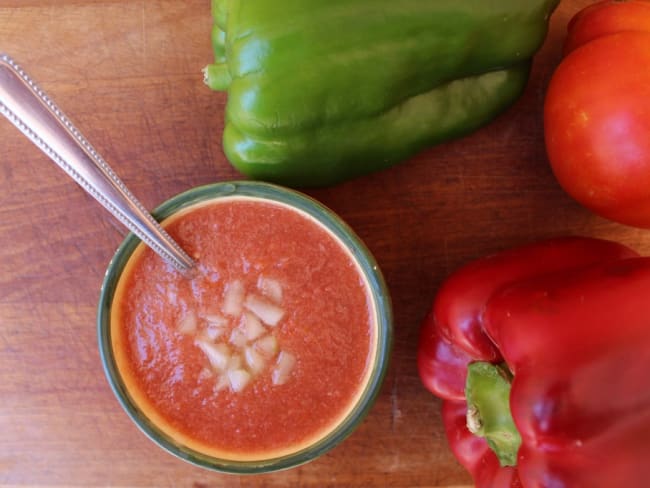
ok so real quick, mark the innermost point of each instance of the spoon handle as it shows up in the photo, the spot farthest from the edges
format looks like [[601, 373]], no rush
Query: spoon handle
[[38, 118]]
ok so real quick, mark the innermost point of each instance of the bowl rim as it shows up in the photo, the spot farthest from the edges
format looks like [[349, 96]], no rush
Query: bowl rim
[[361, 254]]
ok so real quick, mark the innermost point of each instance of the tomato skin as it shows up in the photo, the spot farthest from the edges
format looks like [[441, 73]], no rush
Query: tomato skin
[[597, 124], [607, 17]]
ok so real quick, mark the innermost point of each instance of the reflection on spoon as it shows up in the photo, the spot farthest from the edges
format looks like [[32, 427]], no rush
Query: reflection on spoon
[[37, 117]]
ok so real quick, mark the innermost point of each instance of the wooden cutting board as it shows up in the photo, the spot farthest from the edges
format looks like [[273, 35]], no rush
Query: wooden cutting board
[[128, 73]]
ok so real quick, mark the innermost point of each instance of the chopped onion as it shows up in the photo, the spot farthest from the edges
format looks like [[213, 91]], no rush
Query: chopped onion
[[233, 298], [238, 379], [222, 382], [218, 354], [235, 362], [267, 346], [283, 367], [252, 326], [187, 324], [254, 360], [215, 319], [270, 288], [213, 332], [238, 337], [268, 312]]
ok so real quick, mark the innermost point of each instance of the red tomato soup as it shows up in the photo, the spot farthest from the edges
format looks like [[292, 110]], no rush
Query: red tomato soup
[[265, 350]]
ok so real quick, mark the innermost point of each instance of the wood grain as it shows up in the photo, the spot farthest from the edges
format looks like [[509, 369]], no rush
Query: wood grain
[[128, 74]]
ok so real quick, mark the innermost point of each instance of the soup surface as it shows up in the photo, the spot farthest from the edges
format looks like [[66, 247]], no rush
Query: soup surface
[[265, 350]]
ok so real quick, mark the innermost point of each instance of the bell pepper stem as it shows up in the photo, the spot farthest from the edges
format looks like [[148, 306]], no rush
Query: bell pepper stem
[[488, 409]]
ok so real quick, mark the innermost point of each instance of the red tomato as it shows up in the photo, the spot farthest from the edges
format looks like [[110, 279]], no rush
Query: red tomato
[[597, 112], [607, 17]]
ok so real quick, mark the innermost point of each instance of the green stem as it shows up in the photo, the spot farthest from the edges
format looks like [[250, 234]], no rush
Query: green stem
[[488, 409]]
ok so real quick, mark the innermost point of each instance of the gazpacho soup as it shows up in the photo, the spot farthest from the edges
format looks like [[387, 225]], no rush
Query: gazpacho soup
[[265, 350]]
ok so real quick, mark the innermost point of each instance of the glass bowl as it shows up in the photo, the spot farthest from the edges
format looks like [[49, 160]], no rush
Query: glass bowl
[[365, 262]]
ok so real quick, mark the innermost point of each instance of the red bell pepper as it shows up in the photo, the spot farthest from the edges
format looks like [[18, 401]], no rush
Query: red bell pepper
[[541, 355]]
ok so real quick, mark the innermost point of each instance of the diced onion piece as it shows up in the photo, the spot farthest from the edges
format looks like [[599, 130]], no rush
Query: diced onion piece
[[215, 319], [218, 354], [238, 379], [283, 367], [268, 312], [187, 324], [213, 332], [270, 288], [235, 362], [238, 337], [252, 326], [254, 360], [233, 298], [267, 346], [222, 382]]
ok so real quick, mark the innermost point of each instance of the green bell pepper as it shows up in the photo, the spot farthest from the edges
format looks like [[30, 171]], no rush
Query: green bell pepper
[[322, 91]]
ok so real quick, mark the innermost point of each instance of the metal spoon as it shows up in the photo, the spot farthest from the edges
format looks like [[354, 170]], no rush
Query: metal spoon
[[37, 117]]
